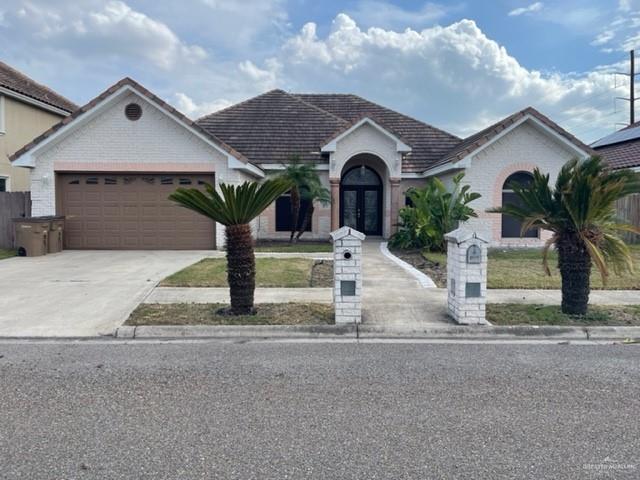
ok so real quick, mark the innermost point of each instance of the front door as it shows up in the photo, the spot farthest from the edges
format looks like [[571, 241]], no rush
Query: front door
[[361, 201]]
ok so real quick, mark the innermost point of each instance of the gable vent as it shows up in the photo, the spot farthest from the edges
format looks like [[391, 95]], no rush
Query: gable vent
[[133, 111]]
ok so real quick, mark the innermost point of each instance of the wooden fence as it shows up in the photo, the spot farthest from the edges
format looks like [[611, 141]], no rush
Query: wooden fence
[[629, 209], [12, 205]]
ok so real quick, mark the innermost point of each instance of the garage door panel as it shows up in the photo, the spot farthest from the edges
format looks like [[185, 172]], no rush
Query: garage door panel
[[131, 212]]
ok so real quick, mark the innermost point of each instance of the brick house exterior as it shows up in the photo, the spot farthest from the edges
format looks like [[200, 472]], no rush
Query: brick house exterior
[[367, 155]]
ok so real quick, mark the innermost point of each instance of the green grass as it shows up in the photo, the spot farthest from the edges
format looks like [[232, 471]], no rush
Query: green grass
[[207, 314], [270, 272], [522, 268], [300, 247], [7, 253], [524, 314]]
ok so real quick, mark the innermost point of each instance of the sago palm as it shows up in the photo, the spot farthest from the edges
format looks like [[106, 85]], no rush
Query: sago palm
[[299, 175], [580, 213], [235, 209]]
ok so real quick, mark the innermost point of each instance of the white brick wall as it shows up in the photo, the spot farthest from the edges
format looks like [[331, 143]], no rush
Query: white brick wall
[[111, 142], [348, 308], [524, 148], [468, 311]]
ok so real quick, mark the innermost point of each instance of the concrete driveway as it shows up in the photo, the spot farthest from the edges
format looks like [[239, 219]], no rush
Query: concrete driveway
[[81, 293]]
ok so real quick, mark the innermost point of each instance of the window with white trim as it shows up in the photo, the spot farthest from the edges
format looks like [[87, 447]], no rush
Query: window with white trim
[[4, 184]]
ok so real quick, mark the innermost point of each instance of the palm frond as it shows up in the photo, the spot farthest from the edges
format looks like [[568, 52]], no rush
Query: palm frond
[[235, 204]]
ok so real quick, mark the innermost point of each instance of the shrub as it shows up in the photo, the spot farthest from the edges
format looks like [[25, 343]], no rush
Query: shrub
[[434, 212]]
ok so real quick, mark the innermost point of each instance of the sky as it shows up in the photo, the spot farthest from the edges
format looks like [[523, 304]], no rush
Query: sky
[[458, 65]]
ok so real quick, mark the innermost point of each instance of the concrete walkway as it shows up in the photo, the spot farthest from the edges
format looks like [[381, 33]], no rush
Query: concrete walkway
[[392, 296]]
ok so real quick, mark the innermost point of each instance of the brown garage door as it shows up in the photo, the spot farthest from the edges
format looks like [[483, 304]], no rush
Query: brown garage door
[[131, 212]]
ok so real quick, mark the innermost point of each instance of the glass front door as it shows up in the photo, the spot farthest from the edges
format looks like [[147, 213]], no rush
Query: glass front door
[[361, 201]]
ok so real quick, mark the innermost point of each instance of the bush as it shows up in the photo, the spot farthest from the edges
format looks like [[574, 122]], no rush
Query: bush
[[435, 211]]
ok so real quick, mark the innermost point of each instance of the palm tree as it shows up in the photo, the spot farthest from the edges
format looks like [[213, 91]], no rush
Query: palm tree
[[313, 192], [235, 209], [299, 175], [580, 214]]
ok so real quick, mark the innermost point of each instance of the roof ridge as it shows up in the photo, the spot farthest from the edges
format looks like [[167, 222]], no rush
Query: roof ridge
[[41, 85], [315, 107], [273, 90]]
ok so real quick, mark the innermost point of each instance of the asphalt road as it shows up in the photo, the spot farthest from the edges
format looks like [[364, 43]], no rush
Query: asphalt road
[[270, 410]]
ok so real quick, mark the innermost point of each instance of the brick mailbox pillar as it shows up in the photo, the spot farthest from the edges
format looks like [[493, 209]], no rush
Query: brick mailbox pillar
[[466, 276], [347, 275]]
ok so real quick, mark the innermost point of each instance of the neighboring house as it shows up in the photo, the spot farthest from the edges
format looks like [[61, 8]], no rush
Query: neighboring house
[[111, 164], [27, 109], [621, 149]]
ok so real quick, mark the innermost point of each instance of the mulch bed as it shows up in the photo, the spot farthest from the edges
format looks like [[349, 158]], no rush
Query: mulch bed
[[434, 270]]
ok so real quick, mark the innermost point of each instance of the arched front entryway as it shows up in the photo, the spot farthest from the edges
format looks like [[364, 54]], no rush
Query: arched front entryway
[[361, 200]]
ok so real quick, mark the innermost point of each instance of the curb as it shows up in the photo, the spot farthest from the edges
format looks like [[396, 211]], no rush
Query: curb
[[451, 332], [235, 331], [423, 279]]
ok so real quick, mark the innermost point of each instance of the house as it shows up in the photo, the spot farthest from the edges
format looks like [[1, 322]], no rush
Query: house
[[110, 165], [27, 109], [621, 149]]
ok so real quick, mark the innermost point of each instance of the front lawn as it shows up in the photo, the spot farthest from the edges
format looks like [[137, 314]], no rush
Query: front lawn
[[520, 268], [522, 314], [270, 272], [300, 247], [209, 314], [7, 253]]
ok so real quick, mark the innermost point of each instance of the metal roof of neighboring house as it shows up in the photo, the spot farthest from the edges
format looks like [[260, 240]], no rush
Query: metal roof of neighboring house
[[18, 82], [632, 132], [107, 93]]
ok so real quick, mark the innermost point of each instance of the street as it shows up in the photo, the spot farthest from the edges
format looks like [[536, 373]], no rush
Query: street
[[268, 410]]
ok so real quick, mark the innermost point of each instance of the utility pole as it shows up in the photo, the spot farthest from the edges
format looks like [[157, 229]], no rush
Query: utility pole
[[632, 81]]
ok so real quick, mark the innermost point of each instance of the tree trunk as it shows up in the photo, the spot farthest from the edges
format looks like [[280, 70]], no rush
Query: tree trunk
[[307, 218], [241, 268], [295, 211], [574, 264]]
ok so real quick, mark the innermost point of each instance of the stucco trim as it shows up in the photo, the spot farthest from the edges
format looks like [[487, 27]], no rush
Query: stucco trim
[[333, 144]]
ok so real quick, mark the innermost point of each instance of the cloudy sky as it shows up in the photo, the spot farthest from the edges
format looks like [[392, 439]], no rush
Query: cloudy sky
[[459, 65]]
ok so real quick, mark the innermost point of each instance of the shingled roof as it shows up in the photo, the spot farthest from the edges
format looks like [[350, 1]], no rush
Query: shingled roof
[[621, 155], [273, 126], [18, 82]]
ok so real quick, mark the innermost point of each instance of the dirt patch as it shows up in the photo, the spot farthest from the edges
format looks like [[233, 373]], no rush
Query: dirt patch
[[209, 314], [322, 274], [434, 270], [598, 315]]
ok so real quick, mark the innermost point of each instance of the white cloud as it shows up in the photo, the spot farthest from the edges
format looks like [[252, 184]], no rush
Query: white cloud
[[193, 110], [111, 30], [453, 76], [534, 7], [624, 5]]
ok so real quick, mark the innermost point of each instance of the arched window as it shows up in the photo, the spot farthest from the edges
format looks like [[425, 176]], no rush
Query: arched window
[[361, 176], [511, 227]]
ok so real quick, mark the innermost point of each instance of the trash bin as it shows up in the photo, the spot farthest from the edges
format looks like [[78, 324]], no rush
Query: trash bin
[[56, 234], [32, 235]]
